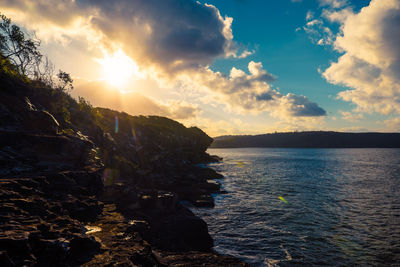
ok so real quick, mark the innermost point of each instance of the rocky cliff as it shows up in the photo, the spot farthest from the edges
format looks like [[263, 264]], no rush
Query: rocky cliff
[[91, 186]]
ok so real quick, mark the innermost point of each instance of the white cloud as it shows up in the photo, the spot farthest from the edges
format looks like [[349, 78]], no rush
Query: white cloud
[[392, 124], [252, 93], [351, 116], [337, 15], [370, 64], [318, 32], [333, 3], [309, 15]]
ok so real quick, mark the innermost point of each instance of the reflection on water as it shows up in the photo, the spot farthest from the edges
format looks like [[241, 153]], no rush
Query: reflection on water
[[308, 206]]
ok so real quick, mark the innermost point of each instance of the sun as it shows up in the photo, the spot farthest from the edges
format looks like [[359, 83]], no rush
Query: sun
[[118, 68]]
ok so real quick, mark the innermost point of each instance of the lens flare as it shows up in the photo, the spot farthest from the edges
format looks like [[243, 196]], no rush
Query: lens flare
[[109, 176], [116, 124], [284, 200]]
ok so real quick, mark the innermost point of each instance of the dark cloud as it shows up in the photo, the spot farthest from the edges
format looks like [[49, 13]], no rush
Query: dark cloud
[[171, 34], [264, 97], [301, 106], [175, 34]]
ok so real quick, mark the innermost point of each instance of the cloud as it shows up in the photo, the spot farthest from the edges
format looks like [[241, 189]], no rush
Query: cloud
[[99, 94], [354, 129], [252, 93], [215, 127], [318, 32], [173, 42], [392, 124], [170, 34], [333, 3], [370, 64], [337, 15], [351, 116], [245, 54], [309, 15], [301, 106]]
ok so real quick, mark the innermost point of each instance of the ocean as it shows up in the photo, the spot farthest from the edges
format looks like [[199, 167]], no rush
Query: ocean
[[307, 207]]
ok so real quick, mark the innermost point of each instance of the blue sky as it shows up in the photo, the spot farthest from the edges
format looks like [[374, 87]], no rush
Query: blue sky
[[269, 27], [229, 66]]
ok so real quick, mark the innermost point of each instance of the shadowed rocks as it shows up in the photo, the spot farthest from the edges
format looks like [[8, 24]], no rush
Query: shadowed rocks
[[74, 190]]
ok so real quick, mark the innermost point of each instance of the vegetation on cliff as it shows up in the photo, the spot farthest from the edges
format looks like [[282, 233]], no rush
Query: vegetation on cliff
[[90, 186], [28, 76]]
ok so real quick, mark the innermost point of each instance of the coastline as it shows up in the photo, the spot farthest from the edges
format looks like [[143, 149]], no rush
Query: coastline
[[48, 224], [93, 192]]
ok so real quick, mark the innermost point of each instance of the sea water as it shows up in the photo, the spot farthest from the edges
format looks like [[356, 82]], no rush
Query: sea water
[[307, 207]]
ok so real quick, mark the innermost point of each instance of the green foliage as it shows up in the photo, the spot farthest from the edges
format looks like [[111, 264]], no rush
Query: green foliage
[[7, 67], [156, 137], [84, 105], [60, 106], [94, 114], [21, 60]]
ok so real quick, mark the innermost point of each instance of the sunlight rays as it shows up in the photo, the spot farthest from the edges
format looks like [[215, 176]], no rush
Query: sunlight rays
[[118, 69]]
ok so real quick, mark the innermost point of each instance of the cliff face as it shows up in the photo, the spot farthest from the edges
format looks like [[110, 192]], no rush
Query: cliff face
[[147, 140], [84, 185]]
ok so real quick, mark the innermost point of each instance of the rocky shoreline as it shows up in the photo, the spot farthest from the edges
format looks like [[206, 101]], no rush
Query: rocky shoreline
[[101, 188], [43, 224]]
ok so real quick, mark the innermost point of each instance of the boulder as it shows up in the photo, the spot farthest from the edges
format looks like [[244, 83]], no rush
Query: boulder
[[203, 201], [16, 243], [83, 210], [143, 259], [38, 121], [180, 231], [5, 260], [50, 252], [83, 248], [137, 226], [166, 201]]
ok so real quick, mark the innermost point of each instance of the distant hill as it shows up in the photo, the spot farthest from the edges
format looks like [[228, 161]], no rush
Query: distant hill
[[314, 139]]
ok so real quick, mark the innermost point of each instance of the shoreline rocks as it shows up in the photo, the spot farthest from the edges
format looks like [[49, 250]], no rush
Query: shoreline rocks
[[76, 191], [45, 218]]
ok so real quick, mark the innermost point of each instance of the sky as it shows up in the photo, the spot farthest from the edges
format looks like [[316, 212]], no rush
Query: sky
[[229, 66]]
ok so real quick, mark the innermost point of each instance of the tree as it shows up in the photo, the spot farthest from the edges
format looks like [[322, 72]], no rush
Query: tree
[[22, 49], [44, 71], [64, 81]]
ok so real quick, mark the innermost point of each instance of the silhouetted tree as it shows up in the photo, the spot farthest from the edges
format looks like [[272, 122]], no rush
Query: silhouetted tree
[[64, 81], [44, 71], [22, 50], [19, 47]]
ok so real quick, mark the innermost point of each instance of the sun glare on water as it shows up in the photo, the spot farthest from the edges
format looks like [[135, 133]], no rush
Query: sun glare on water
[[118, 69]]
